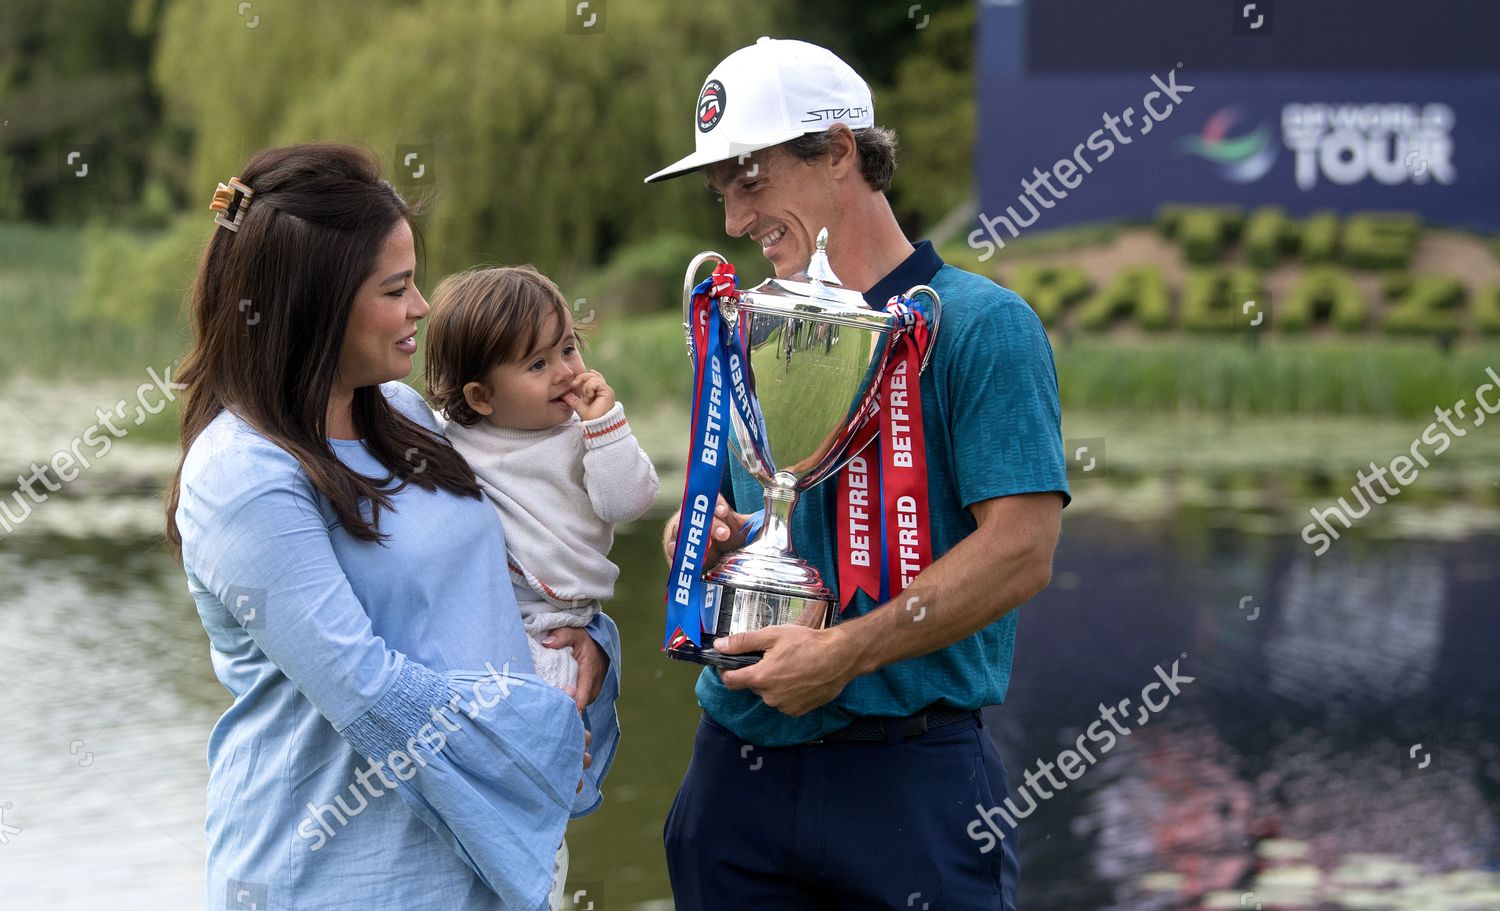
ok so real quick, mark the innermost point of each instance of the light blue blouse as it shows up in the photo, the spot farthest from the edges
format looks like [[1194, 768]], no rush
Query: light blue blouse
[[340, 653]]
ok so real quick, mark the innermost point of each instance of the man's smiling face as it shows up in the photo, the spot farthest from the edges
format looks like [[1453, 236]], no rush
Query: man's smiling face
[[778, 200]]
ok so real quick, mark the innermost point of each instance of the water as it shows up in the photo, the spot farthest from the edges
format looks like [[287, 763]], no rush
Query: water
[[1338, 745]]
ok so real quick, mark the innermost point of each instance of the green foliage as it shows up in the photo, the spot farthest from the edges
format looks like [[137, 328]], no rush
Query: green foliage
[[647, 276], [877, 38], [931, 108], [1268, 235], [1139, 292], [141, 283], [1381, 240], [1167, 218], [540, 138], [1213, 300], [1049, 289], [644, 357], [1201, 231], [1487, 311], [1228, 377], [50, 328], [1423, 305], [73, 79], [1320, 237], [1322, 293], [231, 85], [11, 189], [1368, 240]]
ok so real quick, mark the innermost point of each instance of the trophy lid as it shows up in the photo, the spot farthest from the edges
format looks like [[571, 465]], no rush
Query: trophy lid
[[819, 269], [822, 296]]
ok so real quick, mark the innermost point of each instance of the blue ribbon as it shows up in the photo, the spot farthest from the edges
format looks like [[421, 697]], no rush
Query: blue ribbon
[[737, 357], [688, 608]]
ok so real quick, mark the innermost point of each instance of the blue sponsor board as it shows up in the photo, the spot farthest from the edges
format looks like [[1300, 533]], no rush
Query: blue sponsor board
[[1206, 111]]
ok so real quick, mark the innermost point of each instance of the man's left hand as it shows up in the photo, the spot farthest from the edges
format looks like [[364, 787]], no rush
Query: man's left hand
[[802, 668], [593, 664]]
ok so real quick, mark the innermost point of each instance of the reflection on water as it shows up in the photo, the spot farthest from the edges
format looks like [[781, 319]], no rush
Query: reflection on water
[[1339, 748], [106, 700], [1330, 640]]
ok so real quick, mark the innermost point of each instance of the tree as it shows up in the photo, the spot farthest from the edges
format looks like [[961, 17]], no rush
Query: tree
[[539, 133], [72, 80]]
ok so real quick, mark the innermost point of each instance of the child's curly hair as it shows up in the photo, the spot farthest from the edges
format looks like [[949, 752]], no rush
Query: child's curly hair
[[482, 318]]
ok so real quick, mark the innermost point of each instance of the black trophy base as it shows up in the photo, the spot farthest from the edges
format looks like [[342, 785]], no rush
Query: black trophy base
[[712, 656]]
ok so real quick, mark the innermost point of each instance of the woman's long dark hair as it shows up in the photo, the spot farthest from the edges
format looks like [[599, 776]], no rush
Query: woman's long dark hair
[[269, 309]]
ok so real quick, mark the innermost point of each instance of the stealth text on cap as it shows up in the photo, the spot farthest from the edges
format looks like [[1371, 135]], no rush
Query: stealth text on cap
[[835, 114]]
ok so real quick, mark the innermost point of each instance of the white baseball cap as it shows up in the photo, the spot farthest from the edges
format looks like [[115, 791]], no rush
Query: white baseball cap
[[774, 90]]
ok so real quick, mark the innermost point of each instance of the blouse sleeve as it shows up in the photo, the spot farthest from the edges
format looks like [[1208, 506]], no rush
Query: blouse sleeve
[[490, 759], [600, 718]]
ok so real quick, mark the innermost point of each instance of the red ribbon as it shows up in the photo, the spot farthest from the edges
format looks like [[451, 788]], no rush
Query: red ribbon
[[899, 473]]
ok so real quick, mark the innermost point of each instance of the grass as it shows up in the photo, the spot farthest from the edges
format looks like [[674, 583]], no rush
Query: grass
[[50, 330], [1219, 376]]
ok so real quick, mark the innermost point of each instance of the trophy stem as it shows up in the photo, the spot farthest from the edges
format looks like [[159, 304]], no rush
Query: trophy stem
[[765, 583], [775, 538]]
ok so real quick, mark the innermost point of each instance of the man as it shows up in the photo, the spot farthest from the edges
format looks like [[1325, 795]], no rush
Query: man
[[844, 769]]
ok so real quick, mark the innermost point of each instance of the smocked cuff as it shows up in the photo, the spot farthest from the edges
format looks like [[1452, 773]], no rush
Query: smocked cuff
[[602, 431], [391, 723]]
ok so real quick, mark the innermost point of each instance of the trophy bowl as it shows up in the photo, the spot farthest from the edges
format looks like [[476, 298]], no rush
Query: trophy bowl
[[817, 355]]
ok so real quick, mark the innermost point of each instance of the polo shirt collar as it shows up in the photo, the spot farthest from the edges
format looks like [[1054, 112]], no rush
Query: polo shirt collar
[[917, 269]]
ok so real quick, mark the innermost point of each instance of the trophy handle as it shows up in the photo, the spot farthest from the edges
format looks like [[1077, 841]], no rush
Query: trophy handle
[[688, 281], [937, 318]]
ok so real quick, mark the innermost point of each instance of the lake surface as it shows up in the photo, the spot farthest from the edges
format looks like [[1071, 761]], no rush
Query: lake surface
[[1338, 745]]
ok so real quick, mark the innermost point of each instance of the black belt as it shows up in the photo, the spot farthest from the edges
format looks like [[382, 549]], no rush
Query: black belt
[[895, 730]]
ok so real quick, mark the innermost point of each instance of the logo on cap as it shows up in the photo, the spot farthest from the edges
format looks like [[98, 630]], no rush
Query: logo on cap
[[710, 105]]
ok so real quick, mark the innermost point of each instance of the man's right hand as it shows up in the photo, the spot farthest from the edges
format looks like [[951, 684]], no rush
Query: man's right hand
[[726, 533]]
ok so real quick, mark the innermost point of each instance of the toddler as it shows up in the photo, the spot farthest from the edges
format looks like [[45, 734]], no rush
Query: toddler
[[547, 440]]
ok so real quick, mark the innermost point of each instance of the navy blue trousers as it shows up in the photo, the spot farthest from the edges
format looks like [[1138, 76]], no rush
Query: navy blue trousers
[[821, 827]]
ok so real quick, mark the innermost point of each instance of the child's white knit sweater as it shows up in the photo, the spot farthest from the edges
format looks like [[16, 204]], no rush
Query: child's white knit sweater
[[560, 493]]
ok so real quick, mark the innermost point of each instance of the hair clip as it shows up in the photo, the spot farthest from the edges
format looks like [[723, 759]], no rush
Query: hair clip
[[232, 201]]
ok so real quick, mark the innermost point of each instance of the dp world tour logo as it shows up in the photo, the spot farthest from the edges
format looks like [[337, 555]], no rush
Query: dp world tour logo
[[710, 105], [1241, 159]]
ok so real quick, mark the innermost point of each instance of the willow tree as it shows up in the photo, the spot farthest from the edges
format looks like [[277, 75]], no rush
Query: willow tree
[[536, 130]]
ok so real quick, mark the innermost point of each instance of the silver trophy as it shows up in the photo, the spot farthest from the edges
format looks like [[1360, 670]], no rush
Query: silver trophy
[[818, 354]]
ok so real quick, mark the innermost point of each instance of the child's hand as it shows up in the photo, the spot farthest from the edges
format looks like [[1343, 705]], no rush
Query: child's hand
[[591, 396]]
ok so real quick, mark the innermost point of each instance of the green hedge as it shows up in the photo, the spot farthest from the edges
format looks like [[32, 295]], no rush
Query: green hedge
[[1318, 241], [1215, 300], [1139, 292], [1202, 231], [1381, 240], [1268, 235], [1423, 305], [1048, 289], [1365, 240], [1322, 293], [1487, 311]]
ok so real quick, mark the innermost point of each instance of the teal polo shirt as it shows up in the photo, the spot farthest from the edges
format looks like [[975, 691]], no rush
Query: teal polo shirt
[[993, 429]]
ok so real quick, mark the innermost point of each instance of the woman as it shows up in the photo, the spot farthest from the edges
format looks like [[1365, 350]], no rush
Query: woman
[[351, 580]]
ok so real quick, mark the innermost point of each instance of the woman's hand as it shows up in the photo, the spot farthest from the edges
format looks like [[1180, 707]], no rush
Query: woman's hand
[[593, 664], [588, 758]]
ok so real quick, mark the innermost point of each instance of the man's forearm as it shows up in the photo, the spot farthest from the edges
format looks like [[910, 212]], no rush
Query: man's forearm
[[980, 580]]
